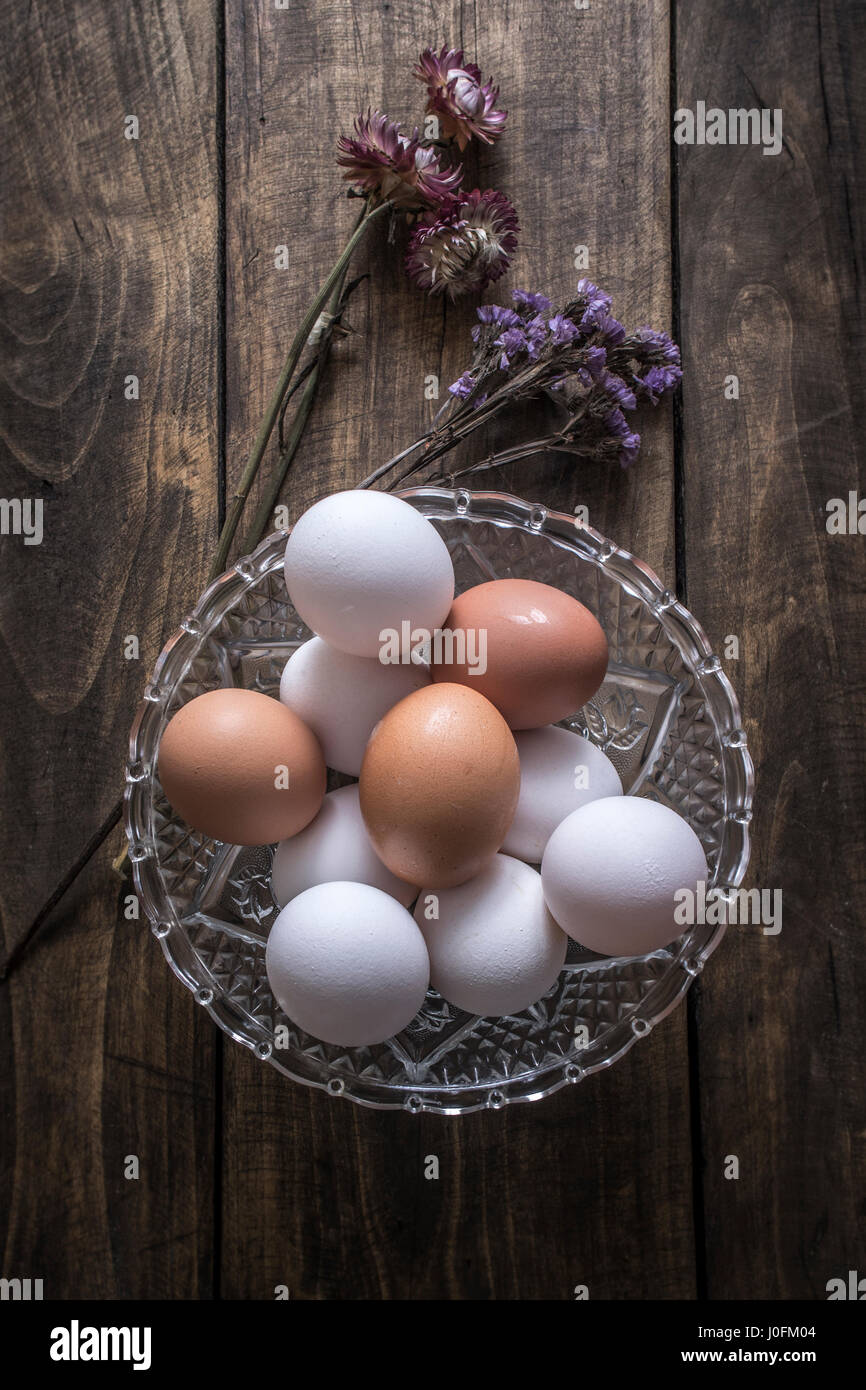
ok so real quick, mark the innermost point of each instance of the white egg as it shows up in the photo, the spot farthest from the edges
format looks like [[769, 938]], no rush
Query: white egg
[[362, 563], [610, 872], [342, 697], [494, 947], [333, 846], [347, 964], [559, 772]]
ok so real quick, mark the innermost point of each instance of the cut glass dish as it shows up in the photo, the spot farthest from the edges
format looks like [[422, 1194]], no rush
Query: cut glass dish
[[666, 715]]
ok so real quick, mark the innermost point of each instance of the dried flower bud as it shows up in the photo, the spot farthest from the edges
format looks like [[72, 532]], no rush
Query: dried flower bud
[[465, 245], [465, 106], [383, 160]]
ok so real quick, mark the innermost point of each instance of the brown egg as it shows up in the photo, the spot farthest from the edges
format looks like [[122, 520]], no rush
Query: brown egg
[[546, 654], [241, 767], [439, 785]]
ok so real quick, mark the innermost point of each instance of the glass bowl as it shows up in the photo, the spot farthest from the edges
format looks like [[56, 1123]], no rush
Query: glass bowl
[[666, 715]]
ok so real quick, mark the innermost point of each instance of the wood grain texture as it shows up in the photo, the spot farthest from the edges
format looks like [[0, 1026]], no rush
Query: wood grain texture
[[109, 266], [772, 252], [585, 1188], [593, 1186], [108, 269], [112, 1060]]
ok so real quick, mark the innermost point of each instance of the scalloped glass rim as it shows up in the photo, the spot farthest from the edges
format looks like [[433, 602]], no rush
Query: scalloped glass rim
[[695, 948]]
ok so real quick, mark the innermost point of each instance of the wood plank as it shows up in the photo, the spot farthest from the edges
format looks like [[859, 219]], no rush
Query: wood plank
[[594, 1185], [771, 268], [113, 1061], [108, 271]]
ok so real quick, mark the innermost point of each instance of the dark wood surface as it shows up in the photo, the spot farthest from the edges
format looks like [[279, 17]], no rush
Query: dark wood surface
[[156, 257]]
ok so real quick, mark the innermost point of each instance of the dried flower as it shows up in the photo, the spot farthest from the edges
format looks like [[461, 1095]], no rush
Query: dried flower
[[383, 160], [618, 390], [656, 381], [531, 303], [655, 346], [464, 105], [562, 330], [463, 386], [464, 245], [610, 330], [494, 313], [582, 355], [596, 357], [660, 357], [596, 304], [629, 443], [512, 342]]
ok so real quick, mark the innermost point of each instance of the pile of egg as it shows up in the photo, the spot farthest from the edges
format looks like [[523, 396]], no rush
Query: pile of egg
[[446, 709]]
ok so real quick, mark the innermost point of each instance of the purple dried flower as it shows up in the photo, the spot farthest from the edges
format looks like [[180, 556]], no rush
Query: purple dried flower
[[657, 381], [512, 341], [381, 159], [562, 330], [596, 358], [610, 329], [465, 106], [496, 313], [630, 450], [463, 386], [534, 303], [493, 314], [464, 245], [536, 336], [592, 293], [658, 345], [597, 306], [618, 390], [582, 354], [616, 425]]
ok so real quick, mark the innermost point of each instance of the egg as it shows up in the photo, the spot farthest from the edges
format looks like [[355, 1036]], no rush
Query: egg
[[611, 869], [531, 649], [439, 784], [347, 964], [360, 564], [240, 767], [559, 772], [333, 846], [494, 947], [342, 697]]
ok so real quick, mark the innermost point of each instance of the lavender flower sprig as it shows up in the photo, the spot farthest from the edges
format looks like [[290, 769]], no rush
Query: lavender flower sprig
[[579, 356]]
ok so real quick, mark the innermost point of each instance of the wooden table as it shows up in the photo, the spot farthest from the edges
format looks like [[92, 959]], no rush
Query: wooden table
[[154, 258]]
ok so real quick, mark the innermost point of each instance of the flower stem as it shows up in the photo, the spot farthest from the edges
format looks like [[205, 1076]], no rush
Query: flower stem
[[468, 417], [311, 380], [299, 342], [262, 518], [514, 454], [436, 442]]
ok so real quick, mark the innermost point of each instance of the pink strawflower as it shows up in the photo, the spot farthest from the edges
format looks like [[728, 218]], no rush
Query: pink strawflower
[[383, 160], [464, 105], [465, 245]]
